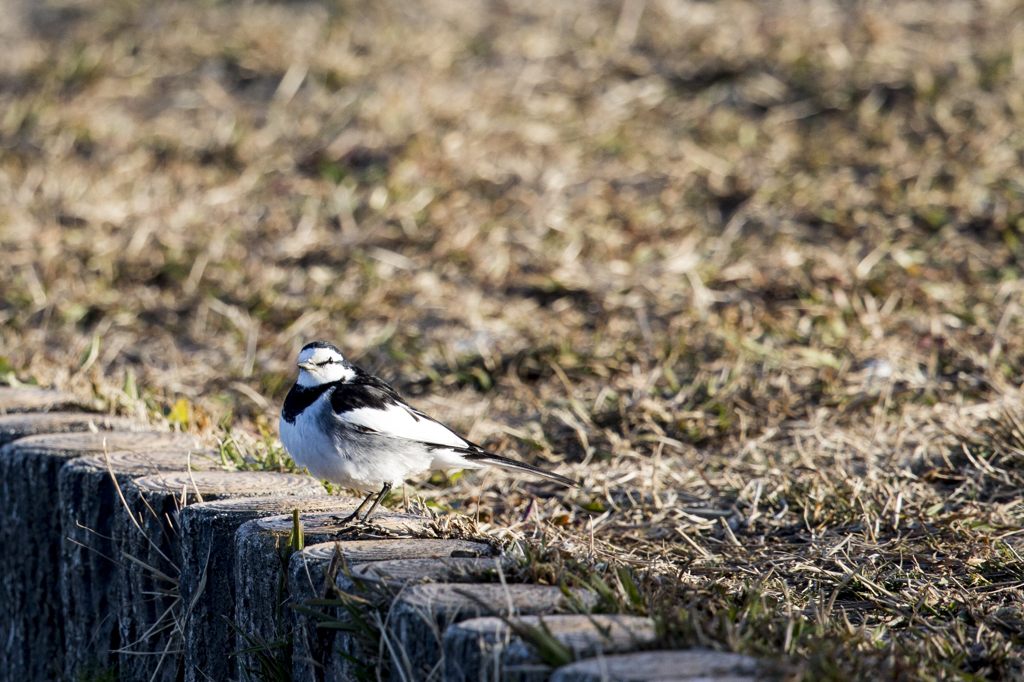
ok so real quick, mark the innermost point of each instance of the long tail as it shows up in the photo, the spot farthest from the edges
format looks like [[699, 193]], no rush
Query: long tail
[[488, 458]]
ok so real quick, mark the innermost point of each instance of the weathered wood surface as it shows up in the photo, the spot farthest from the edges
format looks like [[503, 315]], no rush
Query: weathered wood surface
[[461, 567], [148, 538], [89, 442], [15, 426], [34, 400], [30, 608], [488, 650], [208, 572], [421, 614], [661, 666], [261, 553], [375, 570], [88, 500], [362, 551]]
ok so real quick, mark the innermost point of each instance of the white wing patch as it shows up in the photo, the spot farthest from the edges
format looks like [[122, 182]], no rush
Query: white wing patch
[[399, 422]]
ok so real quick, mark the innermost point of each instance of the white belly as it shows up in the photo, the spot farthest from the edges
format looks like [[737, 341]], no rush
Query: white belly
[[348, 458]]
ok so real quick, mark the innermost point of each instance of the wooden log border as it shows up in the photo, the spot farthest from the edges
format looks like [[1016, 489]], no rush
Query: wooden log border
[[423, 612], [374, 571], [15, 426], [261, 565], [88, 497], [208, 571], [148, 536], [226, 554], [14, 400], [31, 627], [482, 648], [662, 666]]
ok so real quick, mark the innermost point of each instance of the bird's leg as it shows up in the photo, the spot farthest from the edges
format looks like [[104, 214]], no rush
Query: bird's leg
[[354, 515], [380, 496]]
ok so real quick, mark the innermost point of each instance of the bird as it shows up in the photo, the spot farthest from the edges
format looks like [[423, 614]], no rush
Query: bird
[[351, 428]]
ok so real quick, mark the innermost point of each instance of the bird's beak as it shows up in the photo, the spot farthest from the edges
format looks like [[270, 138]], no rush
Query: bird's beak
[[308, 366]]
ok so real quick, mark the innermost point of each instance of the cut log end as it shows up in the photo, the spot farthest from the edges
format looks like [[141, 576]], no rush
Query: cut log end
[[359, 551], [453, 569], [661, 666], [228, 484], [422, 612], [333, 525], [15, 426], [34, 400], [483, 600], [147, 463], [88, 442], [583, 634], [476, 646], [279, 504]]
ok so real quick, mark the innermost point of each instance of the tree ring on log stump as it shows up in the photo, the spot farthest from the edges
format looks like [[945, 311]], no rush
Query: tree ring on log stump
[[526, 599], [138, 464], [34, 400], [451, 569], [480, 647], [663, 666], [328, 526], [229, 483], [15, 426], [119, 441], [260, 507], [422, 612], [360, 551]]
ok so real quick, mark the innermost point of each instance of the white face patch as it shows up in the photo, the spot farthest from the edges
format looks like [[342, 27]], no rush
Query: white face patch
[[324, 365], [319, 356]]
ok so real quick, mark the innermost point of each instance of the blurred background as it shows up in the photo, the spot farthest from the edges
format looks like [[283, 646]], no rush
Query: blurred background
[[758, 256]]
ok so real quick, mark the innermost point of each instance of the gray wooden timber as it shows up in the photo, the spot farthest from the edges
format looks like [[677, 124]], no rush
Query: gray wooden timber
[[421, 614], [261, 568], [15, 426], [88, 497], [208, 572], [31, 639], [34, 400], [488, 650], [363, 569], [661, 666], [148, 538]]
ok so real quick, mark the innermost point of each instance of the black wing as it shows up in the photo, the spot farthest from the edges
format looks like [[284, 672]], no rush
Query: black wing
[[365, 390], [369, 404]]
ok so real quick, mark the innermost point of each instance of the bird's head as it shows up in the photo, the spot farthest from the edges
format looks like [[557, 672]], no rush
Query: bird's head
[[322, 363]]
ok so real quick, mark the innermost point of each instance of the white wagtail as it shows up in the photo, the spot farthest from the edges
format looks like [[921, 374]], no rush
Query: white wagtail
[[351, 428]]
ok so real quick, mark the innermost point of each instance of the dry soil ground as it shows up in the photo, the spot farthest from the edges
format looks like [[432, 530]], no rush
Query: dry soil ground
[[750, 271]]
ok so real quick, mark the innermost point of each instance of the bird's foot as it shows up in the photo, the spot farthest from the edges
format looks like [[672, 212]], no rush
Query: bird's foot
[[350, 518]]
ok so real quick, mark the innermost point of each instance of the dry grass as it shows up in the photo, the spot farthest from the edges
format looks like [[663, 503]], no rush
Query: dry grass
[[760, 259]]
